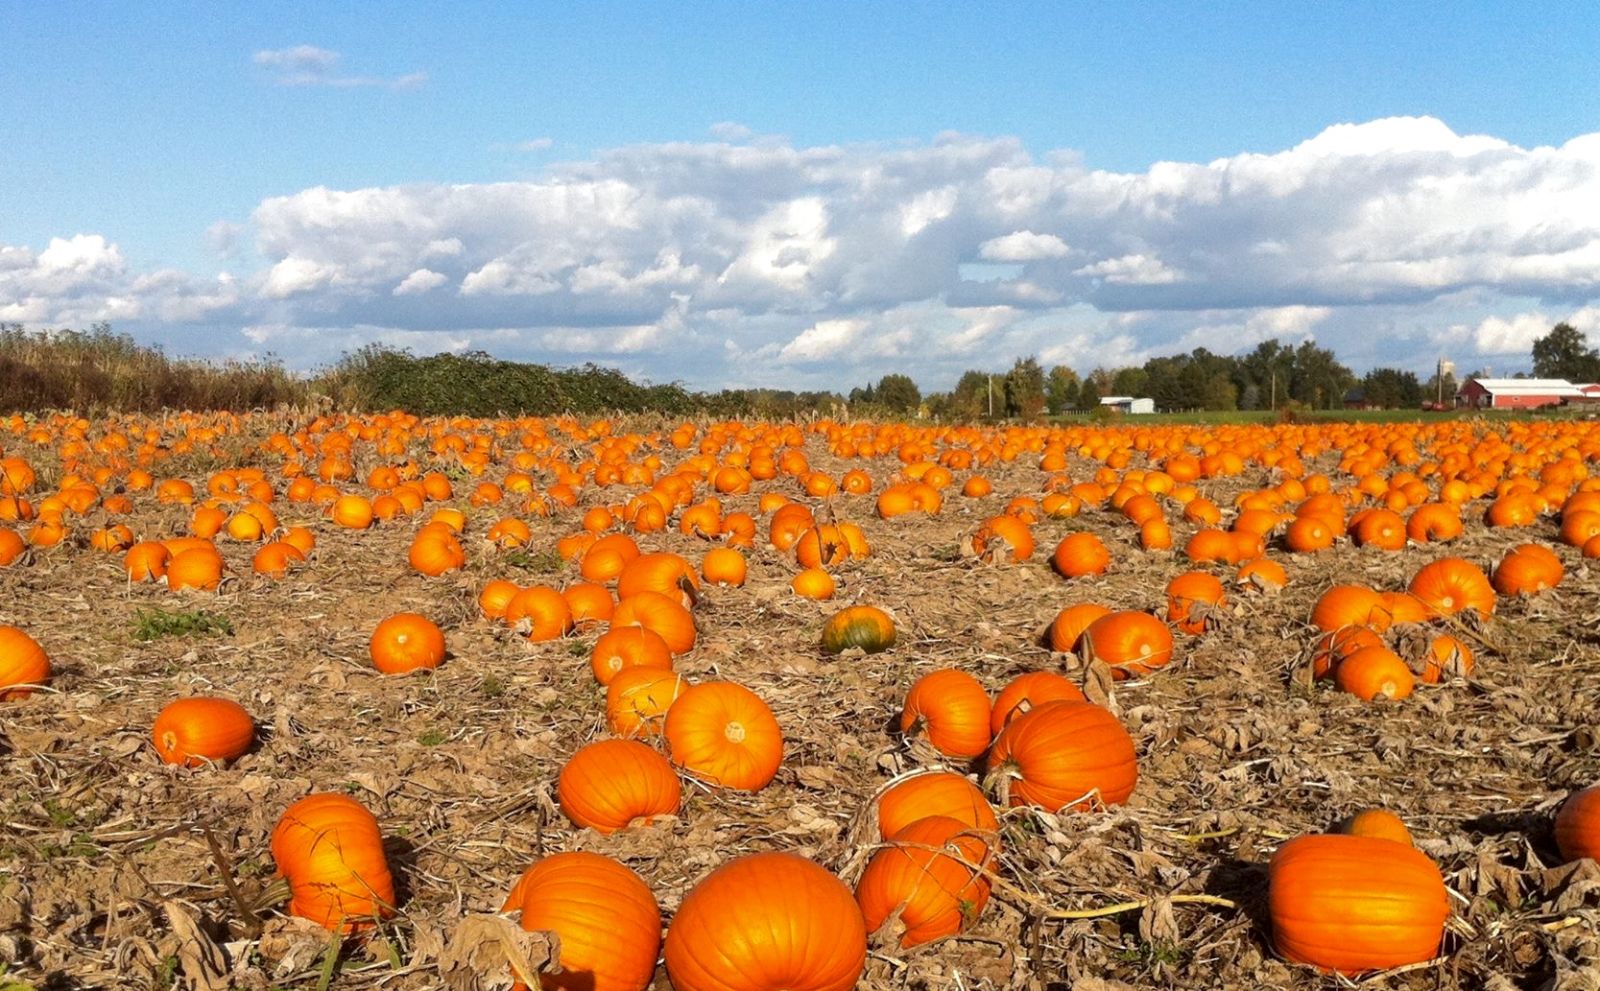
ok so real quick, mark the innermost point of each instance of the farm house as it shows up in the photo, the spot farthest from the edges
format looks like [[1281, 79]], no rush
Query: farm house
[[1486, 393], [1128, 404]]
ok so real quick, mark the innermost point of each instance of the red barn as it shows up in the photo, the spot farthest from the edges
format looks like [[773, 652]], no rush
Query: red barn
[[1517, 393]]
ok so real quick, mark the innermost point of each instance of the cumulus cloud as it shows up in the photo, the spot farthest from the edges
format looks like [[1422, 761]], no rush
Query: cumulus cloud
[[726, 261], [308, 65]]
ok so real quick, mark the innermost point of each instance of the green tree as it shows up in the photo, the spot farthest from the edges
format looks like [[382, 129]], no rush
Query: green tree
[[1564, 353], [1061, 389], [1444, 392], [1392, 388], [1130, 382], [899, 393], [970, 398], [1089, 396], [1024, 388]]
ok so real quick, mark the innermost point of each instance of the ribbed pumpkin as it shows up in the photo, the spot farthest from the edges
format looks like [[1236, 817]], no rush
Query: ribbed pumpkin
[[1194, 601], [610, 783], [624, 647], [406, 642], [1377, 823], [1067, 628], [666, 617], [1335, 646], [732, 934], [813, 583], [726, 735], [1133, 643], [23, 663], [867, 627], [933, 893], [637, 700], [1528, 569], [196, 568], [1354, 903], [1374, 672], [1079, 555], [951, 709], [1578, 825], [1066, 754], [1347, 605], [1029, 691], [606, 917], [934, 793], [191, 731], [670, 575], [1003, 538], [1451, 585], [330, 850]]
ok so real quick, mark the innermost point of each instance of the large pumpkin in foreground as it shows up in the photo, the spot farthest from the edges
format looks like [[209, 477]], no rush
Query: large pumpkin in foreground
[[1066, 754], [607, 919], [867, 627], [764, 922], [330, 850], [1354, 903]]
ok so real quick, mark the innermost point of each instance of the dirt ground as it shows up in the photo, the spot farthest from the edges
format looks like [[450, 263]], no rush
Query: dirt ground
[[116, 870]]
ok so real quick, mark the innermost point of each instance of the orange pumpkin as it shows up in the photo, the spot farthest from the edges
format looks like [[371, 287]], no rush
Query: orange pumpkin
[[724, 566], [539, 612], [951, 709], [665, 617], [406, 642], [637, 700], [1378, 824], [146, 561], [1451, 585], [1133, 643], [932, 893], [813, 583], [608, 784], [1374, 672], [731, 934], [1029, 691], [197, 568], [1194, 602], [934, 793], [1354, 903], [1067, 628], [1528, 569], [604, 914], [1065, 755], [624, 647], [23, 664], [1079, 555], [329, 848], [192, 731], [725, 734], [1348, 605], [1578, 825]]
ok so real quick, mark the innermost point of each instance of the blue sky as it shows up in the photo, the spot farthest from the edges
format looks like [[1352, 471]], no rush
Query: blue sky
[[168, 130]]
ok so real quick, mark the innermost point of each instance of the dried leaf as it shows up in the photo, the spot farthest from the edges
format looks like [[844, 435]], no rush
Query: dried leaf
[[491, 952], [201, 962]]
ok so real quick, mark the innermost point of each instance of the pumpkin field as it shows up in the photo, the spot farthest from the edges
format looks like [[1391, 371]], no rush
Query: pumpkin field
[[292, 700]]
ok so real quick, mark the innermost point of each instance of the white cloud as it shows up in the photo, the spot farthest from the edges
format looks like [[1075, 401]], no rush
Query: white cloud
[[308, 65], [536, 144], [1023, 246], [1388, 240], [421, 281]]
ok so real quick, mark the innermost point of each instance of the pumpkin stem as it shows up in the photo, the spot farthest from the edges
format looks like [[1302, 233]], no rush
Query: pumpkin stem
[[734, 731]]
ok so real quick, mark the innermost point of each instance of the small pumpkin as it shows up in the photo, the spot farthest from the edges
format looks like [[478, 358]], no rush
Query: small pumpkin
[[1079, 555], [1065, 754], [1003, 538], [23, 664], [724, 566], [1066, 630], [867, 627], [1451, 585], [1578, 825], [197, 568], [1194, 602], [608, 784], [329, 848], [934, 793], [1348, 605], [637, 700], [666, 617], [1374, 672], [1379, 824], [539, 612], [1528, 569], [605, 915], [731, 934], [951, 709], [1354, 903], [932, 893], [813, 583], [192, 731], [406, 642], [725, 734]]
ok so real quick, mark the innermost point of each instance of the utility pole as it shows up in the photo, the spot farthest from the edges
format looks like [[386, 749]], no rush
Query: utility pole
[[991, 397], [1274, 391]]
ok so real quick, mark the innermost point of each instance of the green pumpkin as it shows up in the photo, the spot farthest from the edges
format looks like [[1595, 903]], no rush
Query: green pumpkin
[[867, 627]]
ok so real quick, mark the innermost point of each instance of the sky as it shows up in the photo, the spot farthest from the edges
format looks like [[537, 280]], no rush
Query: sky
[[804, 195]]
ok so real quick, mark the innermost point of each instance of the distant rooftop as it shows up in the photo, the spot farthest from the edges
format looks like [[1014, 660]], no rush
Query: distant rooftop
[[1541, 387]]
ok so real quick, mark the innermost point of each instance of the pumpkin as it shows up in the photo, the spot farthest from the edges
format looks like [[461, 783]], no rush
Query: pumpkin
[[1068, 626], [494, 598], [1380, 528], [406, 642], [329, 848], [668, 574], [1003, 538], [813, 583], [1029, 691], [1308, 534], [1379, 824], [274, 559], [1065, 755], [725, 734], [1333, 647], [146, 561], [1398, 608], [866, 627], [1194, 601], [1578, 825], [1348, 605], [1133, 643], [637, 700], [609, 783], [1528, 569], [932, 893], [23, 664], [606, 557], [540, 612], [723, 566], [951, 709], [934, 793], [1262, 575], [656, 612], [434, 554], [13, 547], [603, 913], [1444, 656], [1434, 521], [1372, 672], [623, 647], [192, 731], [589, 605], [1079, 555], [732, 934], [1354, 903], [197, 568], [352, 511], [1451, 585]]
